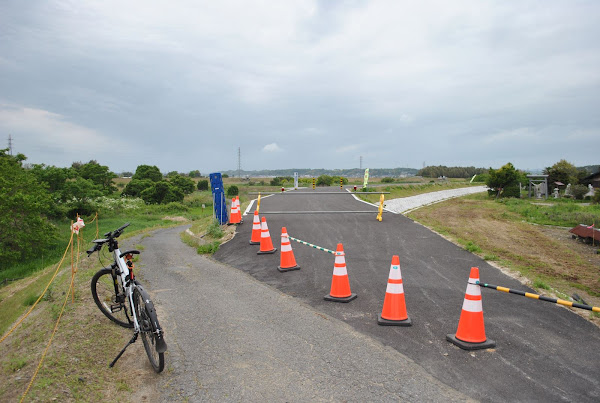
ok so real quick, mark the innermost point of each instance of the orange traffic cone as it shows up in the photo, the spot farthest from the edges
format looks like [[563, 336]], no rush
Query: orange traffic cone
[[233, 217], [266, 245], [255, 238], [288, 261], [471, 330], [239, 209], [340, 283], [394, 306]]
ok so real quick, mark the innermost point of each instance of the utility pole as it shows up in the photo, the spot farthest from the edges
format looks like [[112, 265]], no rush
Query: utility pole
[[361, 162], [239, 162], [10, 144]]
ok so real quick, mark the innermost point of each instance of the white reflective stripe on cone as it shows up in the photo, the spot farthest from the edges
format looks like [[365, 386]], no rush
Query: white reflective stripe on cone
[[472, 306], [286, 247], [340, 259], [340, 271], [395, 288], [395, 273], [473, 289]]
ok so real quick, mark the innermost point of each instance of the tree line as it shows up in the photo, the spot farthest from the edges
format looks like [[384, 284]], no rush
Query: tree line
[[32, 197]]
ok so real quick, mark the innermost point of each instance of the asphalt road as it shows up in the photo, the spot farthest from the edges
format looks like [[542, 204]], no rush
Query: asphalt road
[[232, 338], [544, 352]]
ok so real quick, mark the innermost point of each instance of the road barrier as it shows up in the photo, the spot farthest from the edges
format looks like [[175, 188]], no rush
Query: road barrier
[[316, 247], [316, 193], [540, 297], [319, 212]]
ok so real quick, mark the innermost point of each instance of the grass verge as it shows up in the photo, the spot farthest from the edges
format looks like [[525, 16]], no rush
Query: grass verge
[[76, 365]]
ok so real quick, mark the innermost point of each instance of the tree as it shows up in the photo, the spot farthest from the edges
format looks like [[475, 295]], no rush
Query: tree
[[135, 187], [172, 174], [24, 200], [563, 171], [203, 184], [79, 194], [55, 178], [150, 172], [162, 192], [194, 174], [324, 180], [504, 181], [186, 185], [99, 175]]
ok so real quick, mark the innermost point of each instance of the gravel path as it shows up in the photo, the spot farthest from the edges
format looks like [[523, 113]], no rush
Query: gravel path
[[406, 204]]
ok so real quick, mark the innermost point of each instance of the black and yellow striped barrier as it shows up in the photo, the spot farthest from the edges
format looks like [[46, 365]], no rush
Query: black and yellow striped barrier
[[540, 297]]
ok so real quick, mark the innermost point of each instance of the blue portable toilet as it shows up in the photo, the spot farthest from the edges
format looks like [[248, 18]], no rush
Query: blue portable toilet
[[219, 199]]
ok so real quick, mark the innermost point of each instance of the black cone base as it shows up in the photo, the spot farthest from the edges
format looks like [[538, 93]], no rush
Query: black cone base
[[254, 243], [283, 270], [388, 322], [267, 252], [338, 299], [465, 345]]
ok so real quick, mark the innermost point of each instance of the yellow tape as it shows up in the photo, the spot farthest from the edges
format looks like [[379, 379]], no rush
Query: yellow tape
[[503, 289], [530, 295]]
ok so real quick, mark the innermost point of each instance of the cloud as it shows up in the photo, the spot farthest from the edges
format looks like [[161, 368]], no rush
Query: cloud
[[273, 147], [46, 132]]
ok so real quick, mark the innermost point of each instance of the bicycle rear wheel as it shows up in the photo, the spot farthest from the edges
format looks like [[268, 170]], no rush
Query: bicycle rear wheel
[[148, 323], [110, 297]]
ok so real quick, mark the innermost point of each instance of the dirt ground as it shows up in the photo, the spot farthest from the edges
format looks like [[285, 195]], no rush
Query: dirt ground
[[524, 251]]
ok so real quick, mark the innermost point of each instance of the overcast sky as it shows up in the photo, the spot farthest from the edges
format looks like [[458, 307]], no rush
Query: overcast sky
[[301, 84]]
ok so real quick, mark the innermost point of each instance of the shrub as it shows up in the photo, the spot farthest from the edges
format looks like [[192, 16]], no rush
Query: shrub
[[214, 230], [203, 184], [596, 198], [186, 185], [578, 191], [135, 187], [232, 191], [387, 179], [162, 193], [324, 180], [208, 248]]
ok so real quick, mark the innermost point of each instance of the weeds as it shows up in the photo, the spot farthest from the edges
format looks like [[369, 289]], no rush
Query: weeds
[[538, 283], [14, 364], [209, 248], [214, 230], [30, 299], [472, 247]]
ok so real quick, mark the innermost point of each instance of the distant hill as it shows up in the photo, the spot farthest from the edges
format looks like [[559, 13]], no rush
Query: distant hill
[[349, 173], [591, 169]]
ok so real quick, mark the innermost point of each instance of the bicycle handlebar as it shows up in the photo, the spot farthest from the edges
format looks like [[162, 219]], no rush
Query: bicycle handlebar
[[109, 237]]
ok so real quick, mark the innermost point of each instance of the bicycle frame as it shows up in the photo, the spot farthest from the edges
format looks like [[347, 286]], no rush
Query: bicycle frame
[[127, 282]]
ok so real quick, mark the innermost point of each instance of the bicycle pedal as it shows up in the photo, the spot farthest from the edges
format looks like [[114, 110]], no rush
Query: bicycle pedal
[[116, 308]]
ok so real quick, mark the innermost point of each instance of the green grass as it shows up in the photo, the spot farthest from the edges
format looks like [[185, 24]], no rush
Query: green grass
[[561, 212], [539, 283], [208, 248], [472, 247]]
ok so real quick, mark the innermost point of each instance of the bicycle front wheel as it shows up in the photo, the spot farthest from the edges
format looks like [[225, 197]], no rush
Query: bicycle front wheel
[[148, 330], [110, 297]]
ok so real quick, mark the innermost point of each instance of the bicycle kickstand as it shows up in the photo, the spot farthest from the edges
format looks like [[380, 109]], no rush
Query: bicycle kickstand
[[133, 339]]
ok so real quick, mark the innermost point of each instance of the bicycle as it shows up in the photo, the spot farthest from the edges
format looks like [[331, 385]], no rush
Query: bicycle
[[122, 299]]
